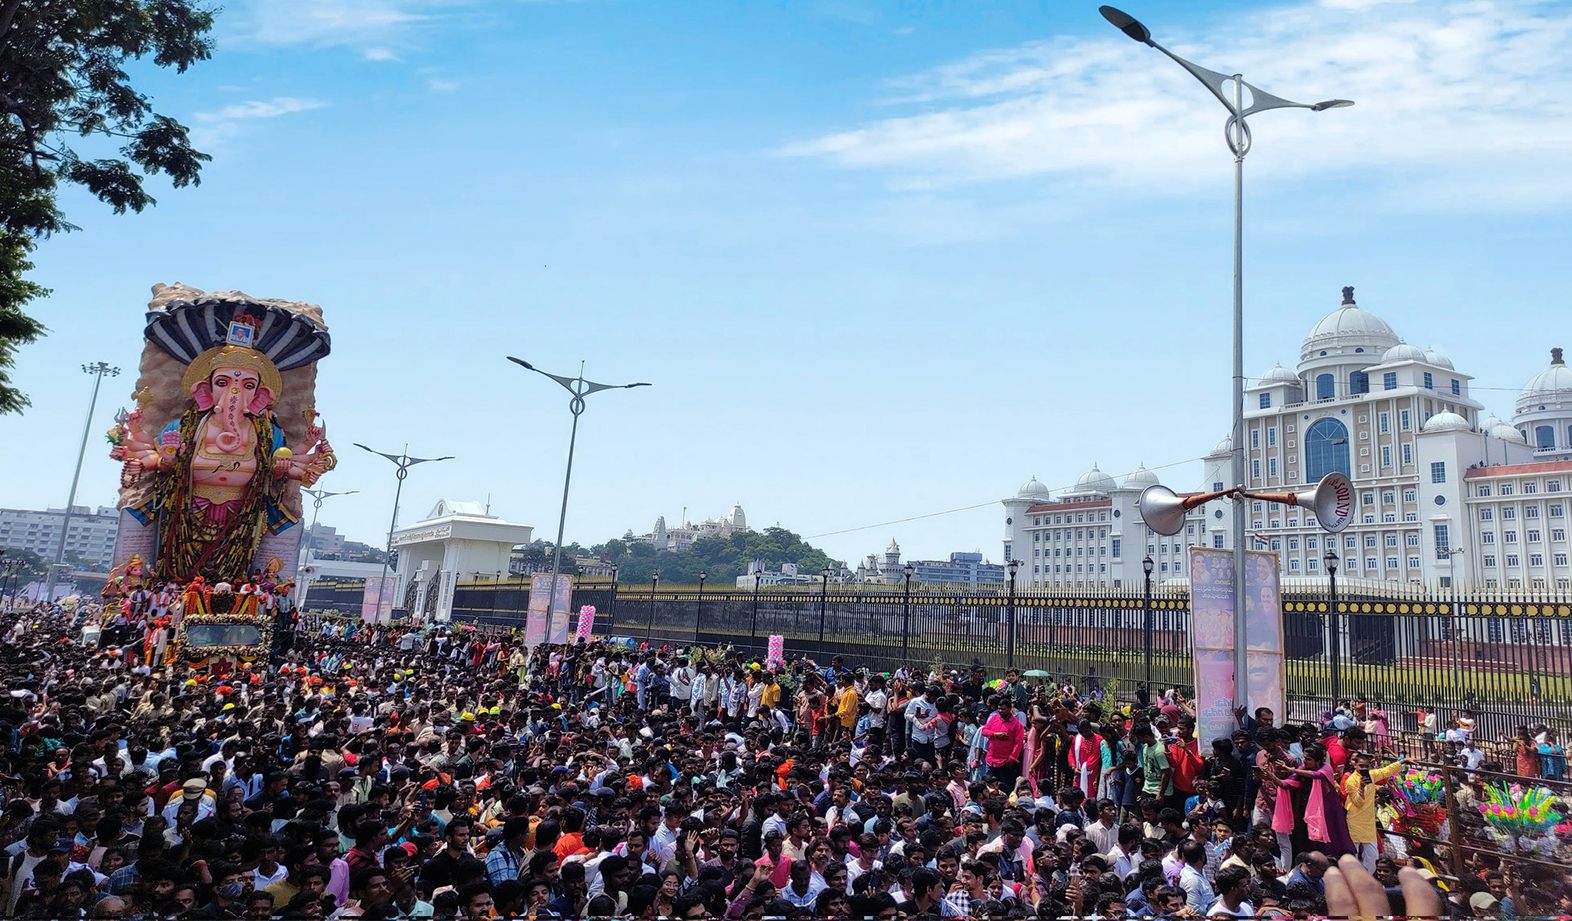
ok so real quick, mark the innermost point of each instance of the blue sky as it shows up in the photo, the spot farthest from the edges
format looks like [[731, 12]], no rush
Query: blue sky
[[879, 260]]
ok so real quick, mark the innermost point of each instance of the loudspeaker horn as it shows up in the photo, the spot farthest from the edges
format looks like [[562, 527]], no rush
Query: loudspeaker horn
[[1332, 501], [1163, 509]]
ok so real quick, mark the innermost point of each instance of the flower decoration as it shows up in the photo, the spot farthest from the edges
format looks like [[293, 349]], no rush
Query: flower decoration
[[1418, 802]]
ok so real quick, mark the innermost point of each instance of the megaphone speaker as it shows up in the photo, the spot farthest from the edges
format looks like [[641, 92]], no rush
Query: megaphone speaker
[[1163, 509]]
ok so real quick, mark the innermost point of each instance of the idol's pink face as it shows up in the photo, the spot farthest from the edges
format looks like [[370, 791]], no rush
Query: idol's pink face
[[233, 392]]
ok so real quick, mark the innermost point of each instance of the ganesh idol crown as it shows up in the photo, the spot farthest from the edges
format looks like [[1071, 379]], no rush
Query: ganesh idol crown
[[223, 436]]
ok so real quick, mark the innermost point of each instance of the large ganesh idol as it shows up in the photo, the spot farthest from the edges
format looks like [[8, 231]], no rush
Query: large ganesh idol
[[210, 485]]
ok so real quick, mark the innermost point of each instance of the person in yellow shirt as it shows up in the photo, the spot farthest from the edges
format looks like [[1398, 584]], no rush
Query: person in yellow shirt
[[846, 705], [1359, 796], [772, 692]]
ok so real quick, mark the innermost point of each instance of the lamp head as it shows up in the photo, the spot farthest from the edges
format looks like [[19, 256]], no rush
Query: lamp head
[[1331, 561], [703, 576], [521, 362], [909, 570], [1127, 24], [1013, 566], [1331, 104], [1146, 565]]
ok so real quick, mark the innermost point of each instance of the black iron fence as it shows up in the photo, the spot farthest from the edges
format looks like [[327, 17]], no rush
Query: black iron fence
[[1505, 657]]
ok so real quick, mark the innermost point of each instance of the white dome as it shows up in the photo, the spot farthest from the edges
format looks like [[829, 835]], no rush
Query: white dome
[[1140, 478], [1495, 428], [1094, 480], [1446, 422], [1552, 385], [737, 518], [1403, 352], [1279, 375], [1438, 358], [1226, 446], [1032, 489], [1347, 329]]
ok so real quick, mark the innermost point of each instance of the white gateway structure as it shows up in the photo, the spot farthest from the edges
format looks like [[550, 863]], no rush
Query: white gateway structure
[[1446, 494]]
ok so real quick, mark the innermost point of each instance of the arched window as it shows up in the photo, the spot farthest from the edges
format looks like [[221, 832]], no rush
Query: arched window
[[1325, 387], [1358, 382], [1544, 436], [1326, 450]]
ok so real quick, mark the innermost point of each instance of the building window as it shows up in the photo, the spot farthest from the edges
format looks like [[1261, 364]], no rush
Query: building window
[[1443, 542], [1487, 537], [1359, 382], [1438, 472], [1325, 387], [1386, 455], [1271, 437], [1217, 541], [1391, 540], [1457, 387], [1311, 564], [1430, 381], [1217, 486], [1412, 540], [1389, 380], [1486, 514], [1536, 559], [1490, 561], [1271, 466], [1408, 455], [1509, 536], [1552, 486], [1386, 422], [1266, 401], [1560, 558], [1293, 565], [1544, 436], [1370, 540], [1511, 559], [1403, 420], [1255, 469], [1391, 562], [1367, 498], [1350, 542], [1510, 514], [1116, 548], [1255, 438], [1326, 450], [1506, 489]]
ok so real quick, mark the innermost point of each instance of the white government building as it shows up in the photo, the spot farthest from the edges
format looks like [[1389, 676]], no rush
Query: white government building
[[1445, 493]]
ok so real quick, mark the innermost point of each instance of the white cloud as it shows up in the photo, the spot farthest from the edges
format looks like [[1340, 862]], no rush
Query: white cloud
[[437, 85], [378, 54], [366, 24], [1468, 101], [212, 129]]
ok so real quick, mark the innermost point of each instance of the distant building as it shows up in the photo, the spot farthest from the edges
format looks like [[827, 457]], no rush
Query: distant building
[[962, 569], [787, 574], [325, 540], [662, 537], [92, 535], [1445, 493]]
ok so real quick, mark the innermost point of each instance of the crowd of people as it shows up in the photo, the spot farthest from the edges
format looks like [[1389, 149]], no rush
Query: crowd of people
[[418, 772]]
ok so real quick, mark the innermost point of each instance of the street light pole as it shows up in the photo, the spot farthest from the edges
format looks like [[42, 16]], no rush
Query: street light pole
[[1146, 567], [579, 388], [649, 629], [753, 634], [403, 462], [1237, 133], [906, 618], [698, 612], [824, 605], [611, 606], [98, 370], [318, 496], [1335, 653], [1009, 636]]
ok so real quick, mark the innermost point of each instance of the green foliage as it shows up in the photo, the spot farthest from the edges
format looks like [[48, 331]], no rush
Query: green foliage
[[34, 567], [63, 82], [721, 559]]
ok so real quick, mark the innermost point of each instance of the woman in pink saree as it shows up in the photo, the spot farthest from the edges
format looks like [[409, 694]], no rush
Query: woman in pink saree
[[1324, 823]]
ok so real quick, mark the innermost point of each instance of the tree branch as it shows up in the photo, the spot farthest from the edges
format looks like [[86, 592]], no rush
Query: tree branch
[[7, 16]]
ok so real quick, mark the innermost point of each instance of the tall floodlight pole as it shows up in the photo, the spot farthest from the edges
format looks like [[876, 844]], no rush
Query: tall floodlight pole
[[1230, 91], [318, 496], [580, 388], [403, 462], [98, 370]]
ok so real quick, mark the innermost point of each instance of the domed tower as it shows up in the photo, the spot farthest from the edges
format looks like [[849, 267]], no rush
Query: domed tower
[[1093, 482], [1544, 408], [892, 558], [736, 518], [1219, 467], [1333, 358], [1139, 478], [1031, 493]]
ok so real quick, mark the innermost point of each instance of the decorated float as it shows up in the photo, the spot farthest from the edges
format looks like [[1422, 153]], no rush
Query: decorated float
[[222, 437]]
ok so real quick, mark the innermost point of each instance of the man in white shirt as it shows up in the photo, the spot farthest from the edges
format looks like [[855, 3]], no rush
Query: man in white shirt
[[681, 683], [878, 703], [1105, 831]]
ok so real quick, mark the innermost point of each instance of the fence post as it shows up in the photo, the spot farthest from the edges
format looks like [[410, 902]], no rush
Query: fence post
[[1447, 784]]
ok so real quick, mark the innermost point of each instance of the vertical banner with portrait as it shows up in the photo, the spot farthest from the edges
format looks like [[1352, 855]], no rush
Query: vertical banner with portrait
[[1264, 632], [1212, 638]]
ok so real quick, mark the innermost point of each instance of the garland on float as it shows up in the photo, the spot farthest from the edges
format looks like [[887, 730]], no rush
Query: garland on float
[[246, 615]]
